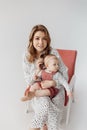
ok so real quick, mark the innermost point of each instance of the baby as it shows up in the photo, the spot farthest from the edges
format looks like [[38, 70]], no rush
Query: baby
[[50, 72]]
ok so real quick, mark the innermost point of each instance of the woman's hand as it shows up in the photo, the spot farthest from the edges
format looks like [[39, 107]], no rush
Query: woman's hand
[[69, 94], [48, 83], [39, 62], [35, 77]]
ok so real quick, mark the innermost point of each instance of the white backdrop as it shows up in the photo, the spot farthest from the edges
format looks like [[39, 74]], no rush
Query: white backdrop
[[66, 21]]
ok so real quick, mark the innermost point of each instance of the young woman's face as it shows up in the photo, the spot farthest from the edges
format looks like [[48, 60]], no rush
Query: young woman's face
[[39, 41]]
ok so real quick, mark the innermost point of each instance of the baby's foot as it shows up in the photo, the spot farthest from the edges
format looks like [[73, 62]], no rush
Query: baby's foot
[[29, 97], [24, 98]]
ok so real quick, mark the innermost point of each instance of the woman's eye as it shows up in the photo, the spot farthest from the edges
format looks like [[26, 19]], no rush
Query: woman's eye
[[37, 38], [45, 39]]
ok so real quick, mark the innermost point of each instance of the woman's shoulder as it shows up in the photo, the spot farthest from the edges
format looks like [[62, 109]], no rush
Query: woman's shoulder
[[55, 52]]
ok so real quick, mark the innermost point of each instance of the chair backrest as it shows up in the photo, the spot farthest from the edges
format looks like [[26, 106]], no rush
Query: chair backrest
[[69, 59]]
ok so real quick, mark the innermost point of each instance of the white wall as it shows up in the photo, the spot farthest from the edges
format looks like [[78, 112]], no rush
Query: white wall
[[67, 22]]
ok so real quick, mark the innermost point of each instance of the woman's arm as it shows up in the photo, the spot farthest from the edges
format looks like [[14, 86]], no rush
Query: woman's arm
[[28, 70], [48, 83]]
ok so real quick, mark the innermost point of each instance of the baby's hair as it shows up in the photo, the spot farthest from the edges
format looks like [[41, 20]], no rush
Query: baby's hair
[[48, 58]]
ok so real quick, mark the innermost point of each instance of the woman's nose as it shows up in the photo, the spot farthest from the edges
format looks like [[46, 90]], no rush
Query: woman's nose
[[40, 41]]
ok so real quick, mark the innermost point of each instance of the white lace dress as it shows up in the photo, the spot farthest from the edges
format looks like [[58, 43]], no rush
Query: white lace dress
[[46, 111]]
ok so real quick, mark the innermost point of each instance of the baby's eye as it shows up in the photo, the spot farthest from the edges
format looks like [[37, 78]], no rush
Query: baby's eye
[[55, 64]]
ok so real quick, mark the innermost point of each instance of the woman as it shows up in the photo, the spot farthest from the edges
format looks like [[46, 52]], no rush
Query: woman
[[46, 112]]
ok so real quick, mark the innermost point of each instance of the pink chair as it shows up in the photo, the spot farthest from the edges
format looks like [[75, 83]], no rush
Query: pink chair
[[69, 58]]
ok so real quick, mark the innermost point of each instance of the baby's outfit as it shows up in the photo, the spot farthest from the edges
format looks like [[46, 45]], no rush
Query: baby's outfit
[[45, 76], [49, 76]]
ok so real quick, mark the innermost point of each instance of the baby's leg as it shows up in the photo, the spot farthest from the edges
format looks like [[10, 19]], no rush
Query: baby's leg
[[30, 92], [35, 86], [28, 97]]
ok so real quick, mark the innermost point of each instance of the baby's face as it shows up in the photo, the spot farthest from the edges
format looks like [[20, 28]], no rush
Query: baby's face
[[53, 65]]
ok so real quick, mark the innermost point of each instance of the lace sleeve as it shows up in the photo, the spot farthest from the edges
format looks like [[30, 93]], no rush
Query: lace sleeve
[[60, 80], [63, 82], [28, 70], [62, 68]]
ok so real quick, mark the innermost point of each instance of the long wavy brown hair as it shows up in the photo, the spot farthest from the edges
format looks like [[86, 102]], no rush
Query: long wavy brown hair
[[32, 53]]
